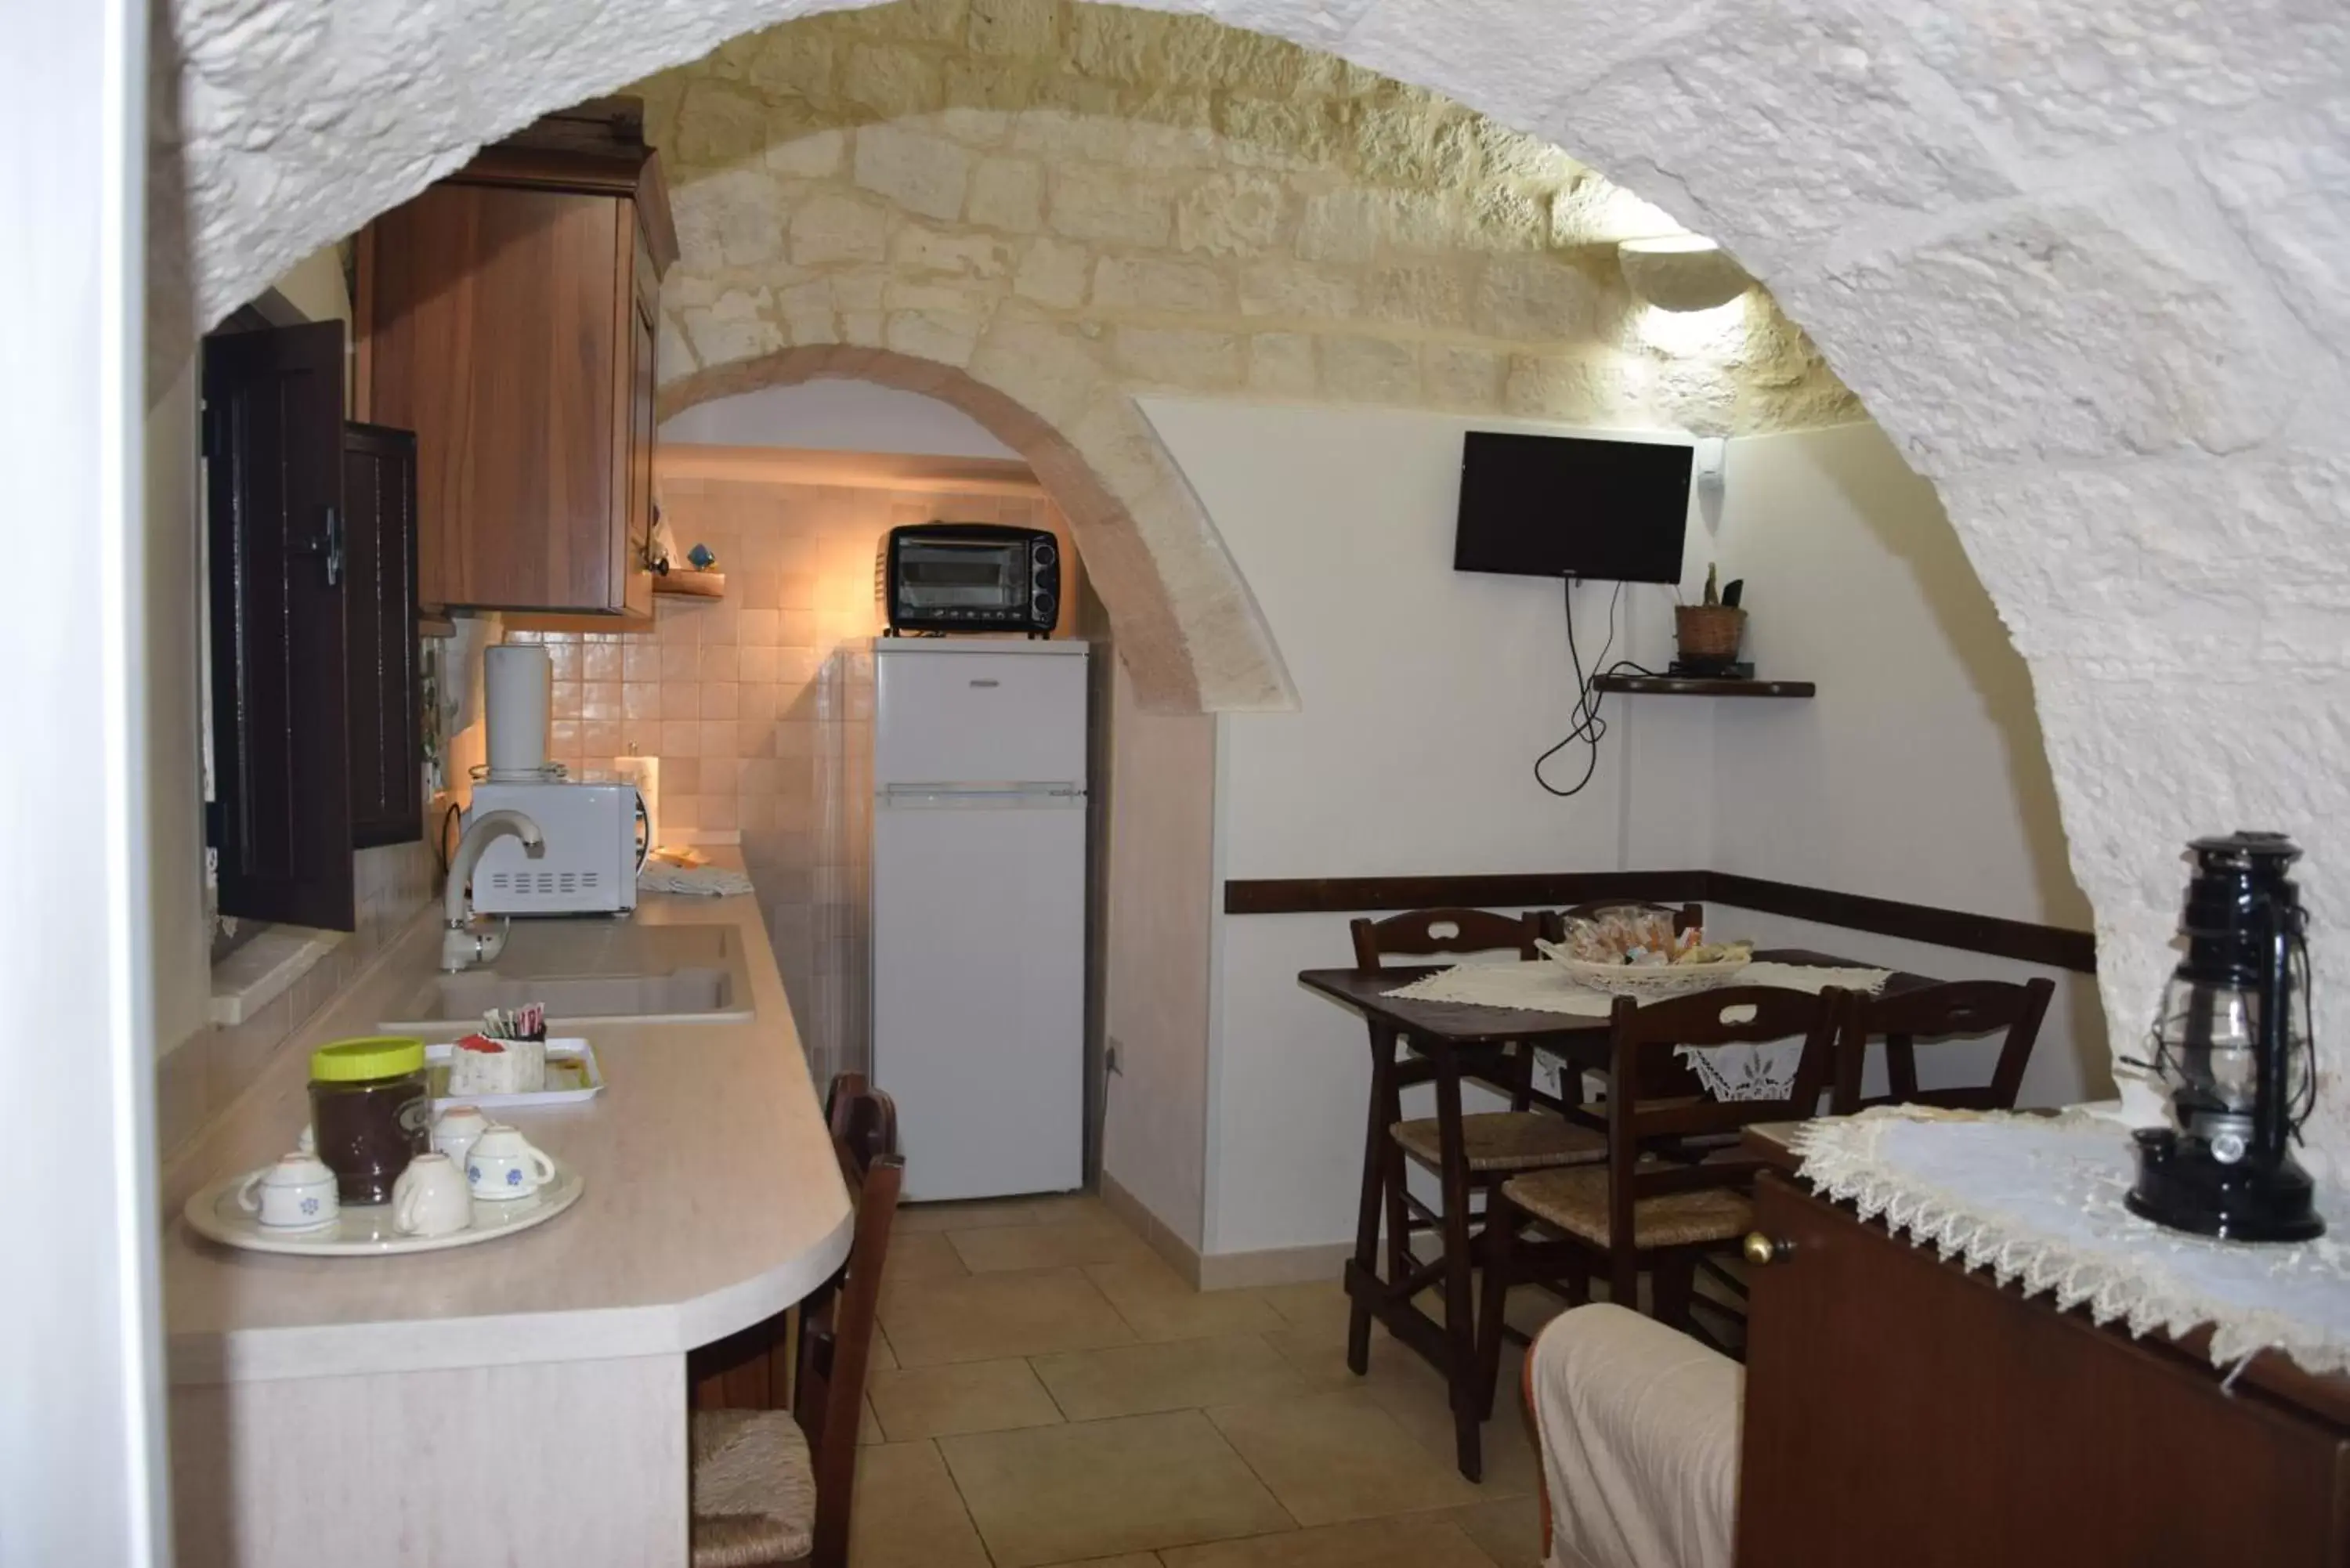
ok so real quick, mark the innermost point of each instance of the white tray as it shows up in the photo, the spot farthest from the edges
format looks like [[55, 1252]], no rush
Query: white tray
[[573, 1059], [364, 1231]]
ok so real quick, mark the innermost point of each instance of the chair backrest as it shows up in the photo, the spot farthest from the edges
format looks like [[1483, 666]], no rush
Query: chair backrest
[[1686, 917], [835, 1334], [861, 1118], [1743, 1014], [1965, 1010], [1420, 933]]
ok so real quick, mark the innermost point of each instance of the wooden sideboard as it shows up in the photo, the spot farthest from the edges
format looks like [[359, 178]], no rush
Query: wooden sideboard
[[1901, 1409]]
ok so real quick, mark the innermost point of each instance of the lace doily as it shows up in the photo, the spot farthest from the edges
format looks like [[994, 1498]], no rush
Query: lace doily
[[1542, 986], [1766, 1072], [2038, 1200]]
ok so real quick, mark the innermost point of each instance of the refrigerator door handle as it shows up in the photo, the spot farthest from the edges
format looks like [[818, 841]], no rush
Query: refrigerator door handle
[[949, 794]]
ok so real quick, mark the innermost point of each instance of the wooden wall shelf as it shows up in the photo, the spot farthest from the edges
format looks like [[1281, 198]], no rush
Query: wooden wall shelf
[[1695, 686], [692, 585]]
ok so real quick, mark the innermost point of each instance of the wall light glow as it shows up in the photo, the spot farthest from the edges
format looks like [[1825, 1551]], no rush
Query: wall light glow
[[1715, 334]]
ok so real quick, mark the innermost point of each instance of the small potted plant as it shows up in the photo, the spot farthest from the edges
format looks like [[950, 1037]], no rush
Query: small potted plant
[[1709, 633]]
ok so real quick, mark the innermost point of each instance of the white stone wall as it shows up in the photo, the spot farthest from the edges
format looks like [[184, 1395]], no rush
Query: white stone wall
[[1187, 207], [2086, 261], [1066, 206]]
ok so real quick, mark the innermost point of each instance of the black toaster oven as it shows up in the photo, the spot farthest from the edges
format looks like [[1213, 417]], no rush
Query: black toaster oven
[[969, 577]]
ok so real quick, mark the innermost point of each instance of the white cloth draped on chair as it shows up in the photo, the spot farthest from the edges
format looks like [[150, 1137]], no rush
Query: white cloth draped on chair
[[1639, 1432]]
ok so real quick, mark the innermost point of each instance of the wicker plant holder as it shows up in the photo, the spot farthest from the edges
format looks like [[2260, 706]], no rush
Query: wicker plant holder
[[1709, 634]]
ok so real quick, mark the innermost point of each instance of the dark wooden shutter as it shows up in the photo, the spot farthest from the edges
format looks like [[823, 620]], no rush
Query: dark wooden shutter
[[380, 635], [281, 777]]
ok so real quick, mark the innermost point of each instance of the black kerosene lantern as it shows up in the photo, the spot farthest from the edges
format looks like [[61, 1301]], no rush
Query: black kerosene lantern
[[2232, 1046]]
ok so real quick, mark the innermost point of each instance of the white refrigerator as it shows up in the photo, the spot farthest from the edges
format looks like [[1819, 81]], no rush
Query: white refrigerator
[[979, 911]]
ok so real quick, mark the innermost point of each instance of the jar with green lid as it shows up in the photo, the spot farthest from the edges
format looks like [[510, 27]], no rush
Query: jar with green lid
[[370, 1112]]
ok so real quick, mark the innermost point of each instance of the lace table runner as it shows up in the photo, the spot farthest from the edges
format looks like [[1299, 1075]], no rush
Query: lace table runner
[[1766, 1072], [2038, 1200]]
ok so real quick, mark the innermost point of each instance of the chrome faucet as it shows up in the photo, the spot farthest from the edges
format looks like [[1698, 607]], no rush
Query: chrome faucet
[[462, 946]]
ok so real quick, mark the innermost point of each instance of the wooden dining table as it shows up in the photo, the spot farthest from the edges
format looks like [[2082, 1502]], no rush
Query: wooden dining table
[[1461, 1042]]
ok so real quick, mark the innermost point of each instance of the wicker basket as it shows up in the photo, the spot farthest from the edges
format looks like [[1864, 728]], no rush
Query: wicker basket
[[1645, 982], [1709, 634]]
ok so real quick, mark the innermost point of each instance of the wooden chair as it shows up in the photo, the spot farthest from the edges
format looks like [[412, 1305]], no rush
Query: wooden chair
[[1967, 1010], [1667, 1074], [1642, 1210], [863, 1119], [775, 1486], [1493, 1146]]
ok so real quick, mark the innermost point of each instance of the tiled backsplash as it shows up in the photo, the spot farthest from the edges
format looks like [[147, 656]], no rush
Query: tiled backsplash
[[760, 725], [759, 707]]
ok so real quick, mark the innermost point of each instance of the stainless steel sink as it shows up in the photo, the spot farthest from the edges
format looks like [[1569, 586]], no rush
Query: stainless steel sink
[[607, 973]]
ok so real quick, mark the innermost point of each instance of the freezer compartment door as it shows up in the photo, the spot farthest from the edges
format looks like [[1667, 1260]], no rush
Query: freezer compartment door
[[979, 990], [979, 718]]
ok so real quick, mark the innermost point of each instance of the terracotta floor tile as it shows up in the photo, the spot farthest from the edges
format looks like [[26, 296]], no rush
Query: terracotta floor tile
[[987, 1317], [1125, 1560], [907, 1514], [1421, 1541], [924, 1255], [1414, 1393], [1508, 1529], [1319, 1356], [916, 1219], [1175, 1375], [881, 1358], [1057, 1245], [1332, 1457], [1320, 1305], [869, 1429], [1160, 1305], [1060, 1494], [965, 1396]]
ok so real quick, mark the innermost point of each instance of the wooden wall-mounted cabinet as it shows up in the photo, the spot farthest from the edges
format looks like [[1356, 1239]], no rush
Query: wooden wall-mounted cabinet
[[508, 315]]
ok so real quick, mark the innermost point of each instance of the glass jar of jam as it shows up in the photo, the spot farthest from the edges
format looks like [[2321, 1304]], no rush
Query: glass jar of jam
[[370, 1112]]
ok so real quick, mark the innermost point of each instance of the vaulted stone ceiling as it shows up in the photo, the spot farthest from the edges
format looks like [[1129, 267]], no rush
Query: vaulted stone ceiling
[[1222, 211]]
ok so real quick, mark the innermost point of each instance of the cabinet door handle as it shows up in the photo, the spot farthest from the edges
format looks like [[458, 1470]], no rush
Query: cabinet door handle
[[1762, 1250], [329, 545]]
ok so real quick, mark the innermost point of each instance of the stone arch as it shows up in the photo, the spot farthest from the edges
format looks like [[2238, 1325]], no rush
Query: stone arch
[[2083, 263], [1044, 393]]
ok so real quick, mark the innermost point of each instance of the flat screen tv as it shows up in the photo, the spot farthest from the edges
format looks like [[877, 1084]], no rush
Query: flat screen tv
[[1564, 506]]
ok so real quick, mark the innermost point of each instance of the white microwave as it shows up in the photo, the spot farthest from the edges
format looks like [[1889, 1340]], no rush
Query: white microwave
[[594, 837]]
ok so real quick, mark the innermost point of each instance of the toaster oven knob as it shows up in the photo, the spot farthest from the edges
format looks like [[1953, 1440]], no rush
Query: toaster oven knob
[[1044, 554], [1043, 603]]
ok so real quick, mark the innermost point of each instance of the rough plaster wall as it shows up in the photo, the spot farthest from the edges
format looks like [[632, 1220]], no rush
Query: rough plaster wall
[[2085, 259], [1068, 205], [1206, 210], [1072, 205]]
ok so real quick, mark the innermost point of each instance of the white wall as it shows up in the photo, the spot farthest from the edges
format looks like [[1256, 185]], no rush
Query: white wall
[[1426, 694], [81, 1478], [836, 416], [1918, 767], [1155, 1125]]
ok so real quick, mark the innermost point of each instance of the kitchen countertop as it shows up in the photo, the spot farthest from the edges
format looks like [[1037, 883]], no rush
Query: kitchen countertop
[[713, 1201]]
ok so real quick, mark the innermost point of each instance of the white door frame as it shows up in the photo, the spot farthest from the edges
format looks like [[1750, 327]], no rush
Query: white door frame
[[81, 1474]]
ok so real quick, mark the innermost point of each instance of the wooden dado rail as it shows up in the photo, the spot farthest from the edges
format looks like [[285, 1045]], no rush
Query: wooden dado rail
[[2052, 946]]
